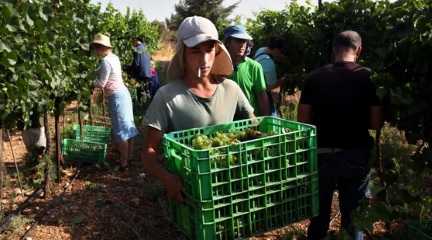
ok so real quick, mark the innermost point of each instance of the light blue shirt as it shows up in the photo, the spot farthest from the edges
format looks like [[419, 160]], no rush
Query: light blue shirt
[[268, 66]]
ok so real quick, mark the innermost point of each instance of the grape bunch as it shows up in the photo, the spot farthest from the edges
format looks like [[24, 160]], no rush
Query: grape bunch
[[220, 158], [201, 142], [219, 139]]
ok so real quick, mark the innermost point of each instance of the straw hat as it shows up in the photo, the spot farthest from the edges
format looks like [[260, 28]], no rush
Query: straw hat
[[191, 32], [102, 39]]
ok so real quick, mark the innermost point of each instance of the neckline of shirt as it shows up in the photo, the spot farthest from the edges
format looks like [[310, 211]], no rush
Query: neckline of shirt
[[207, 99]]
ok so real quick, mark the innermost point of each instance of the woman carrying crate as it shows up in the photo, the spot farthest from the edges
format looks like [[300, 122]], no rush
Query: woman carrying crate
[[198, 95], [109, 79]]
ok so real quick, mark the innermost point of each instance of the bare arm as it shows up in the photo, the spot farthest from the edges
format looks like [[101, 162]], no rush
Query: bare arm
[[279, 84], [304, 113], [275, 94], [376, 117], [102, 74], [149, 154], [263, 103]]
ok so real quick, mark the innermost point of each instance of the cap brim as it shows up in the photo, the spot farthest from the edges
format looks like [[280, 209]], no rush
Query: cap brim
[[244, 36], [197, 39], [101, 43], [223, 64]]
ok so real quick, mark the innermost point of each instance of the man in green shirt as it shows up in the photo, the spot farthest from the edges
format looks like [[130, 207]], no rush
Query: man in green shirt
[[248, 73]]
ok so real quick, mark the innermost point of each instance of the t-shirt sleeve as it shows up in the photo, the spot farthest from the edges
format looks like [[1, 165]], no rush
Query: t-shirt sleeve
[[373, 99], [260, 83], [102, 73], [269, 69], [244, 108], [157, 114], [306, 96]]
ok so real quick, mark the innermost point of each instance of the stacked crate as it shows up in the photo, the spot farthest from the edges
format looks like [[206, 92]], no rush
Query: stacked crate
[[239, 190]]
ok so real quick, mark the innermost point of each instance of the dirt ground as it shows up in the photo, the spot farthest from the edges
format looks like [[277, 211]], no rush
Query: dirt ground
[[14, 148], [104, 203]]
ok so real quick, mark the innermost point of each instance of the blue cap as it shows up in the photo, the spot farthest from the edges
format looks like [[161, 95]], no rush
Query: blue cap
[[237, 31]]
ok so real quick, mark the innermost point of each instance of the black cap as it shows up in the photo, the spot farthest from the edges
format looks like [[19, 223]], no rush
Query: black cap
[[350, 39]]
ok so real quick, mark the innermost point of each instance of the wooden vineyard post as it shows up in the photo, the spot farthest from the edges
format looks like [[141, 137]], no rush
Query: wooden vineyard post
[[47, 134], [47, 178], [57, 113], [58, 150], [2, 166], [90, 112], [80, 119]]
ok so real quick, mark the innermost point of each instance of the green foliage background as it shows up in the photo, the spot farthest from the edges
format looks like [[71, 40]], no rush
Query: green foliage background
[[45, 60], [397, 45], [211, 9]]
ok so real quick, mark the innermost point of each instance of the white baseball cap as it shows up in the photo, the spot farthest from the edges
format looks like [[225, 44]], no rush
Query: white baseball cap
[[193, 31]]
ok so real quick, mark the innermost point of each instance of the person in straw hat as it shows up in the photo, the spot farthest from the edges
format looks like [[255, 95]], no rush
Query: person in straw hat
[[198, 94], [109, 79]]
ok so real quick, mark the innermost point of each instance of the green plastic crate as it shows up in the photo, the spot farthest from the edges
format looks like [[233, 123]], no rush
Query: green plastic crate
[[98, 134], [84, 152], [259, 185]]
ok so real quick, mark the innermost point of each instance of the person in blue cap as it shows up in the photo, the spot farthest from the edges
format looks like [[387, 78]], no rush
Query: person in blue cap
[[248, 73]]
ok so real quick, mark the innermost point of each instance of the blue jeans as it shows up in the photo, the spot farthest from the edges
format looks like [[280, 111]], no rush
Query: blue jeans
[[349, 175]]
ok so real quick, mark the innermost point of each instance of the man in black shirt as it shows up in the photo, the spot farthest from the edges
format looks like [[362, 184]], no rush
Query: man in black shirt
[[341, 101]]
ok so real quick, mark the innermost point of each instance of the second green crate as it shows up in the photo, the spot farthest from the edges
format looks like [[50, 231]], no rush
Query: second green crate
[[84, 152], [92, 133]]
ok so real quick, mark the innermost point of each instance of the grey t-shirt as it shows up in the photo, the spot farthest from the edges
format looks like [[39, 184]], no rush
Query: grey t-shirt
[[175, 107]]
